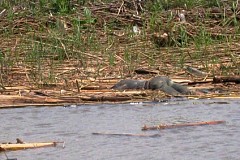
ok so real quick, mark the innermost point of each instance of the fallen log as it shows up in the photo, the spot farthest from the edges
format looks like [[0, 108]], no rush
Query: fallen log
[[223, 79], [11, 100], [22, 146], [165, 126], [125, 134]]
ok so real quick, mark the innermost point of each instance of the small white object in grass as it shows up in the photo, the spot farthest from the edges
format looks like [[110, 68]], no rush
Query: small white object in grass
[[164, 35], [136, 29], [62, 91], [182, 17]]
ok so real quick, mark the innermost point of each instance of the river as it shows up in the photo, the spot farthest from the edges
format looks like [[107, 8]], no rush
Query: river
[[75, 125]]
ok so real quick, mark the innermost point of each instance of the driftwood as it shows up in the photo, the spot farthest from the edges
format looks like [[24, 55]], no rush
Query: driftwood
[[164, 126], [222, 79], [125, 134], [23, 145], [85, 96]]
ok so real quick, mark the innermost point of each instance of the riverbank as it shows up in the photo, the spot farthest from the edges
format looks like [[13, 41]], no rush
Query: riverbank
[[73, 52], [98, 91]]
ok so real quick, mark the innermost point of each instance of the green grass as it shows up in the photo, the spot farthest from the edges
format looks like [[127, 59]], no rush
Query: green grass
[[159, 5], [54, 32]]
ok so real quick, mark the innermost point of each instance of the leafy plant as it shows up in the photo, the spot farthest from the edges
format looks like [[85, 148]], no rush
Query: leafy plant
[[61, 6]]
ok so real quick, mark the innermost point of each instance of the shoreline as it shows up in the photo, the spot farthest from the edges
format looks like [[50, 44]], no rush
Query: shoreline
[[98, 93]]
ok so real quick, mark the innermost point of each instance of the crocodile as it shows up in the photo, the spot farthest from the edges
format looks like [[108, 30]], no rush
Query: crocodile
[[162, 83]]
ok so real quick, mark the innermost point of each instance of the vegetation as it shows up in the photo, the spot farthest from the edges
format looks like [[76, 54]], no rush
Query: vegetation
[[58, 41]]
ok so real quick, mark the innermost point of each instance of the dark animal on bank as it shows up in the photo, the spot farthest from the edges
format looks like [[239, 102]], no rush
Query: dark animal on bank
[[162, 83]]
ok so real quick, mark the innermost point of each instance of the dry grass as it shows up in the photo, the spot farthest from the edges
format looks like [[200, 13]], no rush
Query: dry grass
[[95, 41]]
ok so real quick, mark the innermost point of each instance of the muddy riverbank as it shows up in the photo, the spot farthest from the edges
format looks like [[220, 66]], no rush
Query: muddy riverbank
[[98, 91]]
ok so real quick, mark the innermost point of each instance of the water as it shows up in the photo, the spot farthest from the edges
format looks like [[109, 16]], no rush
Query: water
[[75, 125]]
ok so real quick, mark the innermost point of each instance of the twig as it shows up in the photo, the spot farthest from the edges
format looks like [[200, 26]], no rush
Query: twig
[[136, 8], [109, 46], [64, 48], [119, 10], [78, 87], [2, 12]]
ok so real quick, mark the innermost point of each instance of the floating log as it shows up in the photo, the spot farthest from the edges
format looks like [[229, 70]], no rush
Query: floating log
[[125, 134], [23, 145], [223, 79], [164, 126]]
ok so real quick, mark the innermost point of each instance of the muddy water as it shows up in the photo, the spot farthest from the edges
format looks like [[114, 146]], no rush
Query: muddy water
[[75, 125]]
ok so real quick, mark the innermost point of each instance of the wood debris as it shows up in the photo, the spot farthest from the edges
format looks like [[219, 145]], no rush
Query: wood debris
[[166, 126], [20, 145]]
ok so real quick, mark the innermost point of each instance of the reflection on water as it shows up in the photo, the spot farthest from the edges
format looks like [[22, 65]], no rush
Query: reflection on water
[[75, 125]]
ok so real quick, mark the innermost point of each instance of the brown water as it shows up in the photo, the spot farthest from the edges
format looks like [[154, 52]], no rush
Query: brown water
[[75, 125]]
